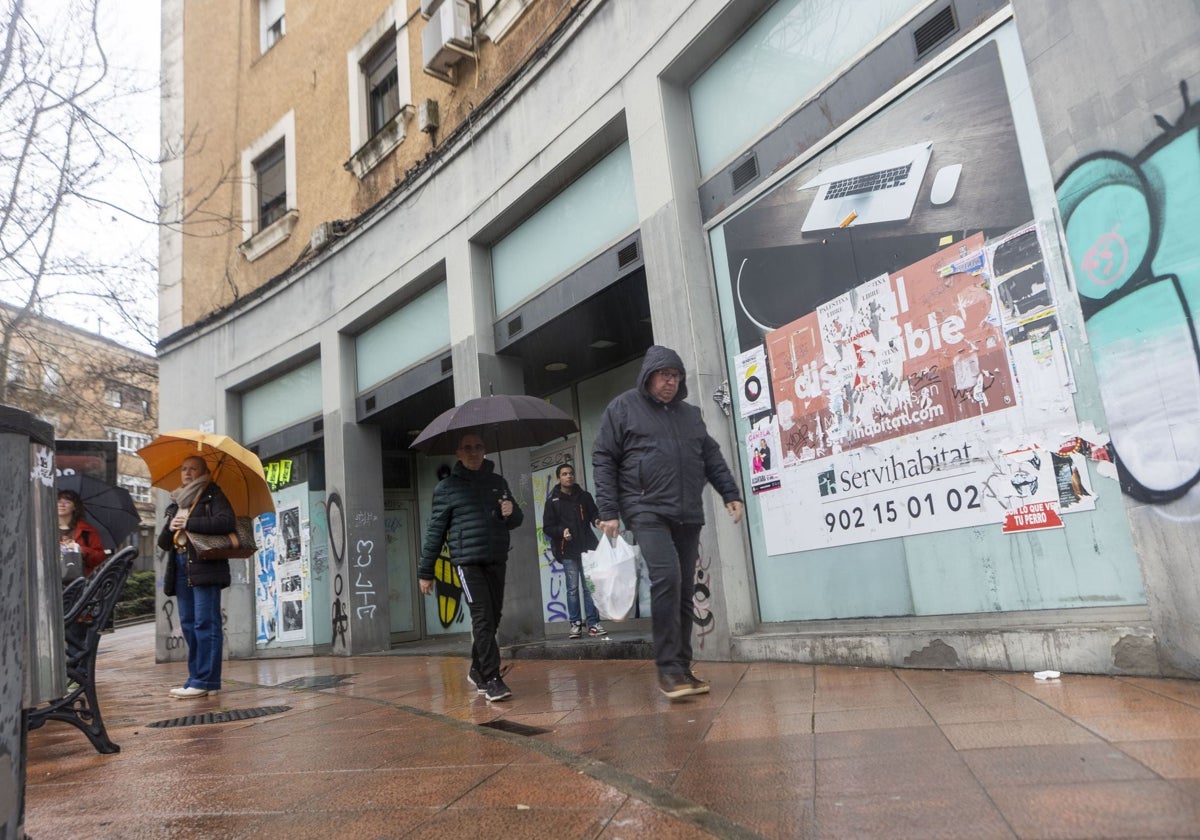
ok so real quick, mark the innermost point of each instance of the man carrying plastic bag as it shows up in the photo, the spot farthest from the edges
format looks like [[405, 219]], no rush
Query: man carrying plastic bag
[[651, 461]]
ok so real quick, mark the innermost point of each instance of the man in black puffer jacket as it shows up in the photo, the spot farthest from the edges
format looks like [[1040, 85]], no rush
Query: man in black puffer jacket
[[651, 460], [473, 511]]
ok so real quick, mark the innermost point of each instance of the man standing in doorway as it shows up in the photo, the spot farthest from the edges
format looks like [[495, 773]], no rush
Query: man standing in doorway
[[473, 511], [567, 523], [652, 458]]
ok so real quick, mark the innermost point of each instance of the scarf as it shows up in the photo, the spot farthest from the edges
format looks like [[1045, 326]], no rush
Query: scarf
[[186, 495]]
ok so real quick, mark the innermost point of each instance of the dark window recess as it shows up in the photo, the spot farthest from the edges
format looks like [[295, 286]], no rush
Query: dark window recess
[[383, 89], [627, 255], [745, 173], [447, 364], [515, 326], [935, 30], [370, 404], [270, 173], [319, 425]]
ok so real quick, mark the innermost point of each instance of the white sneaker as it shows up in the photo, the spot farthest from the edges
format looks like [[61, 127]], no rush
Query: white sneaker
[[188, 693]]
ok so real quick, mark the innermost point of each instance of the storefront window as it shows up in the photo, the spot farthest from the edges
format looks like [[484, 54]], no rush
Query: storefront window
[[912, 424]]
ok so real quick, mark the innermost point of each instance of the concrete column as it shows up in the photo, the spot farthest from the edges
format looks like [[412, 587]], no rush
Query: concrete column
[[683, 309], [354, 501]]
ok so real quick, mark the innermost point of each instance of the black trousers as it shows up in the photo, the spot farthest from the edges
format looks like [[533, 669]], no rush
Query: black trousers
[[670, 550], [483, 587]]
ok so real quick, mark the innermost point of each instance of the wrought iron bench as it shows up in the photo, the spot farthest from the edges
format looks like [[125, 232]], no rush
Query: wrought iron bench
[[92, 600]]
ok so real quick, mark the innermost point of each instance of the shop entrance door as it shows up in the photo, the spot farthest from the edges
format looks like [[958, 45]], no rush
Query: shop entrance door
[[400, 521]]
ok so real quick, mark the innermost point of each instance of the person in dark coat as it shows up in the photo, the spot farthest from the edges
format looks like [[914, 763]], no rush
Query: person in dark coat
[[567, 522], [473, 512], [200, 506], [652, 458]]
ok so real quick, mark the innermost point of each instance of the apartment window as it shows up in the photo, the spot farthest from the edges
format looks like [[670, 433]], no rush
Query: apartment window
[[270, 175], [139, 488], [128, 442], [112, 397], [380, 89], [269, 189], [16, 369], [383, 91], [270, 23], [52, 380]]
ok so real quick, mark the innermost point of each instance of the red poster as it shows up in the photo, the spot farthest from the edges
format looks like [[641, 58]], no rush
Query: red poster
[[907, 351]]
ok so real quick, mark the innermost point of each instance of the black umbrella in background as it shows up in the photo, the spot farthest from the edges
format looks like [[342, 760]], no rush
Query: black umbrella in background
[[110, 510], [504, 421]]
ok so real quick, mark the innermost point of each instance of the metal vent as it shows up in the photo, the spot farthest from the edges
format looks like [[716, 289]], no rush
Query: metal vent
[[515, 326], [318, 425], [745, 173], [935, 30], [447, 364], [220, 717], [515, 728], [317, 682], [627, 255], [370, 403]]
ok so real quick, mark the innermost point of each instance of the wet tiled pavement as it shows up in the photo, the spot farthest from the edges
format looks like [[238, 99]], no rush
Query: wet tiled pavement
[[403, 746]]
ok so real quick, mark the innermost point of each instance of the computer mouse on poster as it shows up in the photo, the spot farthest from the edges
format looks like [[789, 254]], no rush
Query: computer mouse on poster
[[945, 182]]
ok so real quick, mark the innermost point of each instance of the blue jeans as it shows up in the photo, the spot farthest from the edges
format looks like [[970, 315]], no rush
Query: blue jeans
[[200, 619], [573, 567]]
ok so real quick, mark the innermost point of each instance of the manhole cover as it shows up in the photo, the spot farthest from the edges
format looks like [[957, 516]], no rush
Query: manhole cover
[[515, 728], [227, 716], [327, 681]]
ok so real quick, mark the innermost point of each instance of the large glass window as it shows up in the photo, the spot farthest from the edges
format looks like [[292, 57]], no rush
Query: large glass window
[[779, 61], [909, 411], [408, 335], [591, 213], [287, 399]]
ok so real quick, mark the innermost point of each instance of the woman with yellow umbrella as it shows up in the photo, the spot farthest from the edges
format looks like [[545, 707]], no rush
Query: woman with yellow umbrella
[[212, 480]]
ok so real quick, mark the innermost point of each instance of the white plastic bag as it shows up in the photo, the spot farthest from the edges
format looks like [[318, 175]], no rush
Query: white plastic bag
[[611, 572]]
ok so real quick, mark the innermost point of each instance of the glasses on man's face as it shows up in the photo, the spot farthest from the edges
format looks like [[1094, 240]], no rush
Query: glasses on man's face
[[472, 447], [670, 375]]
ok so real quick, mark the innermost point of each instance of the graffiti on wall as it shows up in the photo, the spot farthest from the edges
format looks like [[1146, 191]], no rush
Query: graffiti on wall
[[1131, 227], [335, 515], [702, 601]]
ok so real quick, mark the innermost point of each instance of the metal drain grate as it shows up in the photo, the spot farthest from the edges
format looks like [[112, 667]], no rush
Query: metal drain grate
[[326, 681], [227, 716], [515, 728]]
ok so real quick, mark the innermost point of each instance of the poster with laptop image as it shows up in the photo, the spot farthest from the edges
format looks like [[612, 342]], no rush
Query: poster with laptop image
[[937, 166]]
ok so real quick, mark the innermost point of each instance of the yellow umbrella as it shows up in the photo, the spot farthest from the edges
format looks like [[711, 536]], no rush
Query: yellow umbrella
[[234, 468]]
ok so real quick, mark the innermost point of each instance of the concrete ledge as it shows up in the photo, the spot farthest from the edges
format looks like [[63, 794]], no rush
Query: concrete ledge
[[1096, 648]]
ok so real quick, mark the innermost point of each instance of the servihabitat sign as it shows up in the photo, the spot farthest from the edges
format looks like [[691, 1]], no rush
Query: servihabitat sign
[[896, 411]]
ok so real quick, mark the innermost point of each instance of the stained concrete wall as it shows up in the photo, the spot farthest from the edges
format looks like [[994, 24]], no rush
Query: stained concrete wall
[[1116, 87]]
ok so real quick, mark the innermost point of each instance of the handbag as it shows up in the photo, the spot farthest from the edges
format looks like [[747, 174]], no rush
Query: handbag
[[611, 572], [72, 565], [232, 546]]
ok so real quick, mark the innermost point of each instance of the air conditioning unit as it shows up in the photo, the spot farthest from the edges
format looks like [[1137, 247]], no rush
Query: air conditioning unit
[[321, 236], [428, 7], [447, 39]]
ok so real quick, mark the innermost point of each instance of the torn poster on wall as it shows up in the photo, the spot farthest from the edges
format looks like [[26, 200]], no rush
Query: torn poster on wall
[[753, 386], [902, 353], [762, 444]]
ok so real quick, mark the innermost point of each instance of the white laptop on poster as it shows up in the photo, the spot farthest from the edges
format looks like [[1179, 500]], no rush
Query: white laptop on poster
[[879, 188]]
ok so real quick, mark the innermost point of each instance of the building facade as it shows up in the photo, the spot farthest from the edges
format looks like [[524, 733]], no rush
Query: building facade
[[88, 388], [926, 263]]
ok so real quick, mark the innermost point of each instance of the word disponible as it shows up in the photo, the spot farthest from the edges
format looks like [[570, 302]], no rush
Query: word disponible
[[896, 469], [899, 511]]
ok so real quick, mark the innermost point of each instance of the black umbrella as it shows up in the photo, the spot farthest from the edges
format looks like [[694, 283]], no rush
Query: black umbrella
[[504, 421], [110, 510]]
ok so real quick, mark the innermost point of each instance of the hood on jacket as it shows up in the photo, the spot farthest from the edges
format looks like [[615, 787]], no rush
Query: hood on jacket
[[658, 358]]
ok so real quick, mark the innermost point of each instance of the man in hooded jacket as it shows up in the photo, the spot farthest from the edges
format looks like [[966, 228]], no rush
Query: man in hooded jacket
[[567, 523], [652, 458]]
